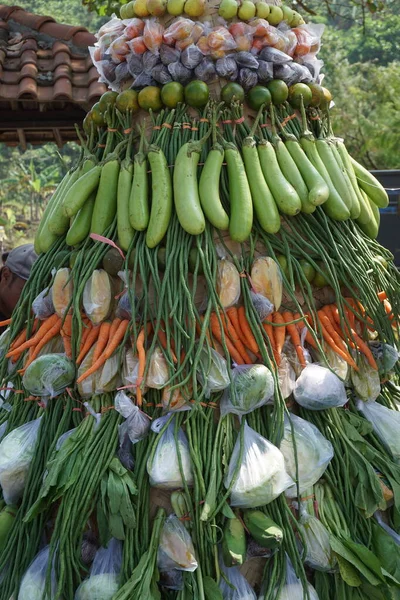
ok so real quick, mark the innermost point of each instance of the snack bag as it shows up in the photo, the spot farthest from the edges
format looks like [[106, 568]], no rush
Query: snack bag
[[175, 550]]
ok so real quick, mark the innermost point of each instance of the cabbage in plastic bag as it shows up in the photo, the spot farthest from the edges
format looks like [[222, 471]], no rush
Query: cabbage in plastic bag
[[3, 428], [238, 587], [214, 374], [252, 387], [386, 424], [103, 581], [34, 580], [158, 374], [163, 469], [175, 550], [16, 453], [42, 306], [286, 376], [49, 375], [314, 453], [87, 387], [108, 376], [366, 381], [318, 388], [293, 588], [262, 475], [319, 554]]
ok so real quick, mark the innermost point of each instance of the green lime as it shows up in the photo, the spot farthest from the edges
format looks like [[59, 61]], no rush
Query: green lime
[[107, 99], [127, 100], [297, 91], [197, 94], [150, 98], [307, 269], [172, 94], [257, 96], [97, 115], [279, 91], [320, 279], [282, 260], [232, 91]]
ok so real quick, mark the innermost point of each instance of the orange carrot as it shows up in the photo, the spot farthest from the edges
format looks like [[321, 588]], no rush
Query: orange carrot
[[142, 362], [233, 314], [112, 345], [55, 330], [279, 331], [294, 334], [67, 325], [44, 328], [102, 340], [388, 309], [5, 323], [217, 333], [248, 334], [326, 322], [87, 342], [114, 327], [365, 349], [269, 330], [230, 331], [329, 310], [382, 296], [19, 340], [331, 342], [162, 338]]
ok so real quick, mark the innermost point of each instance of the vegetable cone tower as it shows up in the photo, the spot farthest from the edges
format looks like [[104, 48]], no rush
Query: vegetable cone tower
[[203, 368]]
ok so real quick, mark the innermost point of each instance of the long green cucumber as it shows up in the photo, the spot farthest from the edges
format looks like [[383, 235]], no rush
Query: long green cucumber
[[124, 227], [344, 155], [57, 222], [241, 219], [80, 227], [105, 206], [371, 226], [81, 190], [325, 151], [284, 194], [263, 201], [355, 203], [293, 175], [186, 189], [371, 186], [139, 195], [161, 205], [209, 189], [318, 191], [50, 205]]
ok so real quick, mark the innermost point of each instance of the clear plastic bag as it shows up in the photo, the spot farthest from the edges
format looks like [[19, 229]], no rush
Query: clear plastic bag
[[228, 283], [171, 580], [314, 65], [252, 387], [97, 296], [262, 305], [153, 35], [108, 376], [243, 34], [87, 387], [318, 388], [386, 424], [163, 469], [206, 71], [247, 78], [246, 60], [366, 381], [136, 425], [133, 28], [180, 73], [308, 38], [169, 55], [220, 39], [262, 475], [319, 554], [385, 355], [265, 71], [272, 55], [103, 581], [161, 74], [214, 374], [238, 587], [191, 57], [293, 588], [286, 376], [176, 400], [142, 80], [33, 582], [49, 375], [150, 60], [175, 550], [114, 26], [395, 536], [314, 453], [42, 306], [158, 374], [16, 453], [4, 341], [124, 308], [227, 68], [3, 428], [134, 63], [179, 29]]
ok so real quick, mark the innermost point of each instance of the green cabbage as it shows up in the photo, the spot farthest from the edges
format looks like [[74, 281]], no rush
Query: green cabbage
[[98, 587], [366, 381], [49, 375], [252, 386], [32, 587]]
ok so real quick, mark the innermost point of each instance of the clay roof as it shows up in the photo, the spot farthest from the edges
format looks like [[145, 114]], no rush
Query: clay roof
[[47, 79]]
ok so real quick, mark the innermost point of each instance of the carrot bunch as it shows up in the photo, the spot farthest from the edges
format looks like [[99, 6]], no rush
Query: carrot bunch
[[48, 329], [235, 333]]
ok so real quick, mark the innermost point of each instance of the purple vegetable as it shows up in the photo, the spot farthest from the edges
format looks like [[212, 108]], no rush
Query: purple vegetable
[[180, 73], [275, 56], [265, 71], [246, 60], [247, 78], [169, 55], [206, 71], [227, 68], [191, 57]]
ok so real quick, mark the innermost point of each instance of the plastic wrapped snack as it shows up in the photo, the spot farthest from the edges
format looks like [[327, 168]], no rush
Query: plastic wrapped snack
[[293, 588], [386, 424], [163, 468], [42, 306], [137, 424], [175, 550], [16, 453], [158, 374], [314, 453], [318, 388], [176, 400], [108, 376], [238, 587], [97, 296], [34, 580], [262, 475], [49, 375], [103, 581], [366, 381], [287, 377], [319, 554], [252, 387], [212, 372], [228, 283]]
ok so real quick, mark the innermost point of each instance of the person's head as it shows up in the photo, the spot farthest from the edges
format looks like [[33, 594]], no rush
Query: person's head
[[13, 276]]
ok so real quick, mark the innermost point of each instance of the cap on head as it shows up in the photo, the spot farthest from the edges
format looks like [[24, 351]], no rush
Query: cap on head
[[21, 259]]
